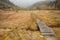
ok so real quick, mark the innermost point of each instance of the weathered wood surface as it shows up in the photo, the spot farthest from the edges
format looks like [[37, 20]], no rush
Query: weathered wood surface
[[44, 29]]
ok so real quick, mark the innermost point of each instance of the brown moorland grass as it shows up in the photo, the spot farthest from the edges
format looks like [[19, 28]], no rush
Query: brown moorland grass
[[23, 26]]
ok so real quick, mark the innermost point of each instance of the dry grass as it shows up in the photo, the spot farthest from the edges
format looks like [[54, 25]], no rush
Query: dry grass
[[51, 18], [57, 32], [17, 20], [23, 27]]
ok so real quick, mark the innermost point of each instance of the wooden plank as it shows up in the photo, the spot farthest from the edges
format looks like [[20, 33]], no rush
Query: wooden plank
[[44, 29]]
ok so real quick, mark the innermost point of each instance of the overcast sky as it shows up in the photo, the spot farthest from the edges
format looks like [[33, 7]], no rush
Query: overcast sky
[[26, 3]]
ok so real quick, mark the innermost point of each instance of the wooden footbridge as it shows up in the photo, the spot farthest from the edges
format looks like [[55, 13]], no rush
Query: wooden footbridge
[[44, 29]]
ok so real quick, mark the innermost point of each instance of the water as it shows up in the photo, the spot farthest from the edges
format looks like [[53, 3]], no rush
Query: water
[[28, 3]]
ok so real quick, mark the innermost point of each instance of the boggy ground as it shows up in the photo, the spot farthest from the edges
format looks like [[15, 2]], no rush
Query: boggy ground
[[21, 25]]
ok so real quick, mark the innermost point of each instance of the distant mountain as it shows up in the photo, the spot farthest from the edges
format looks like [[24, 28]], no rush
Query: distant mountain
[[44, 5], [6, 2], [57, 4], [6, 5]]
